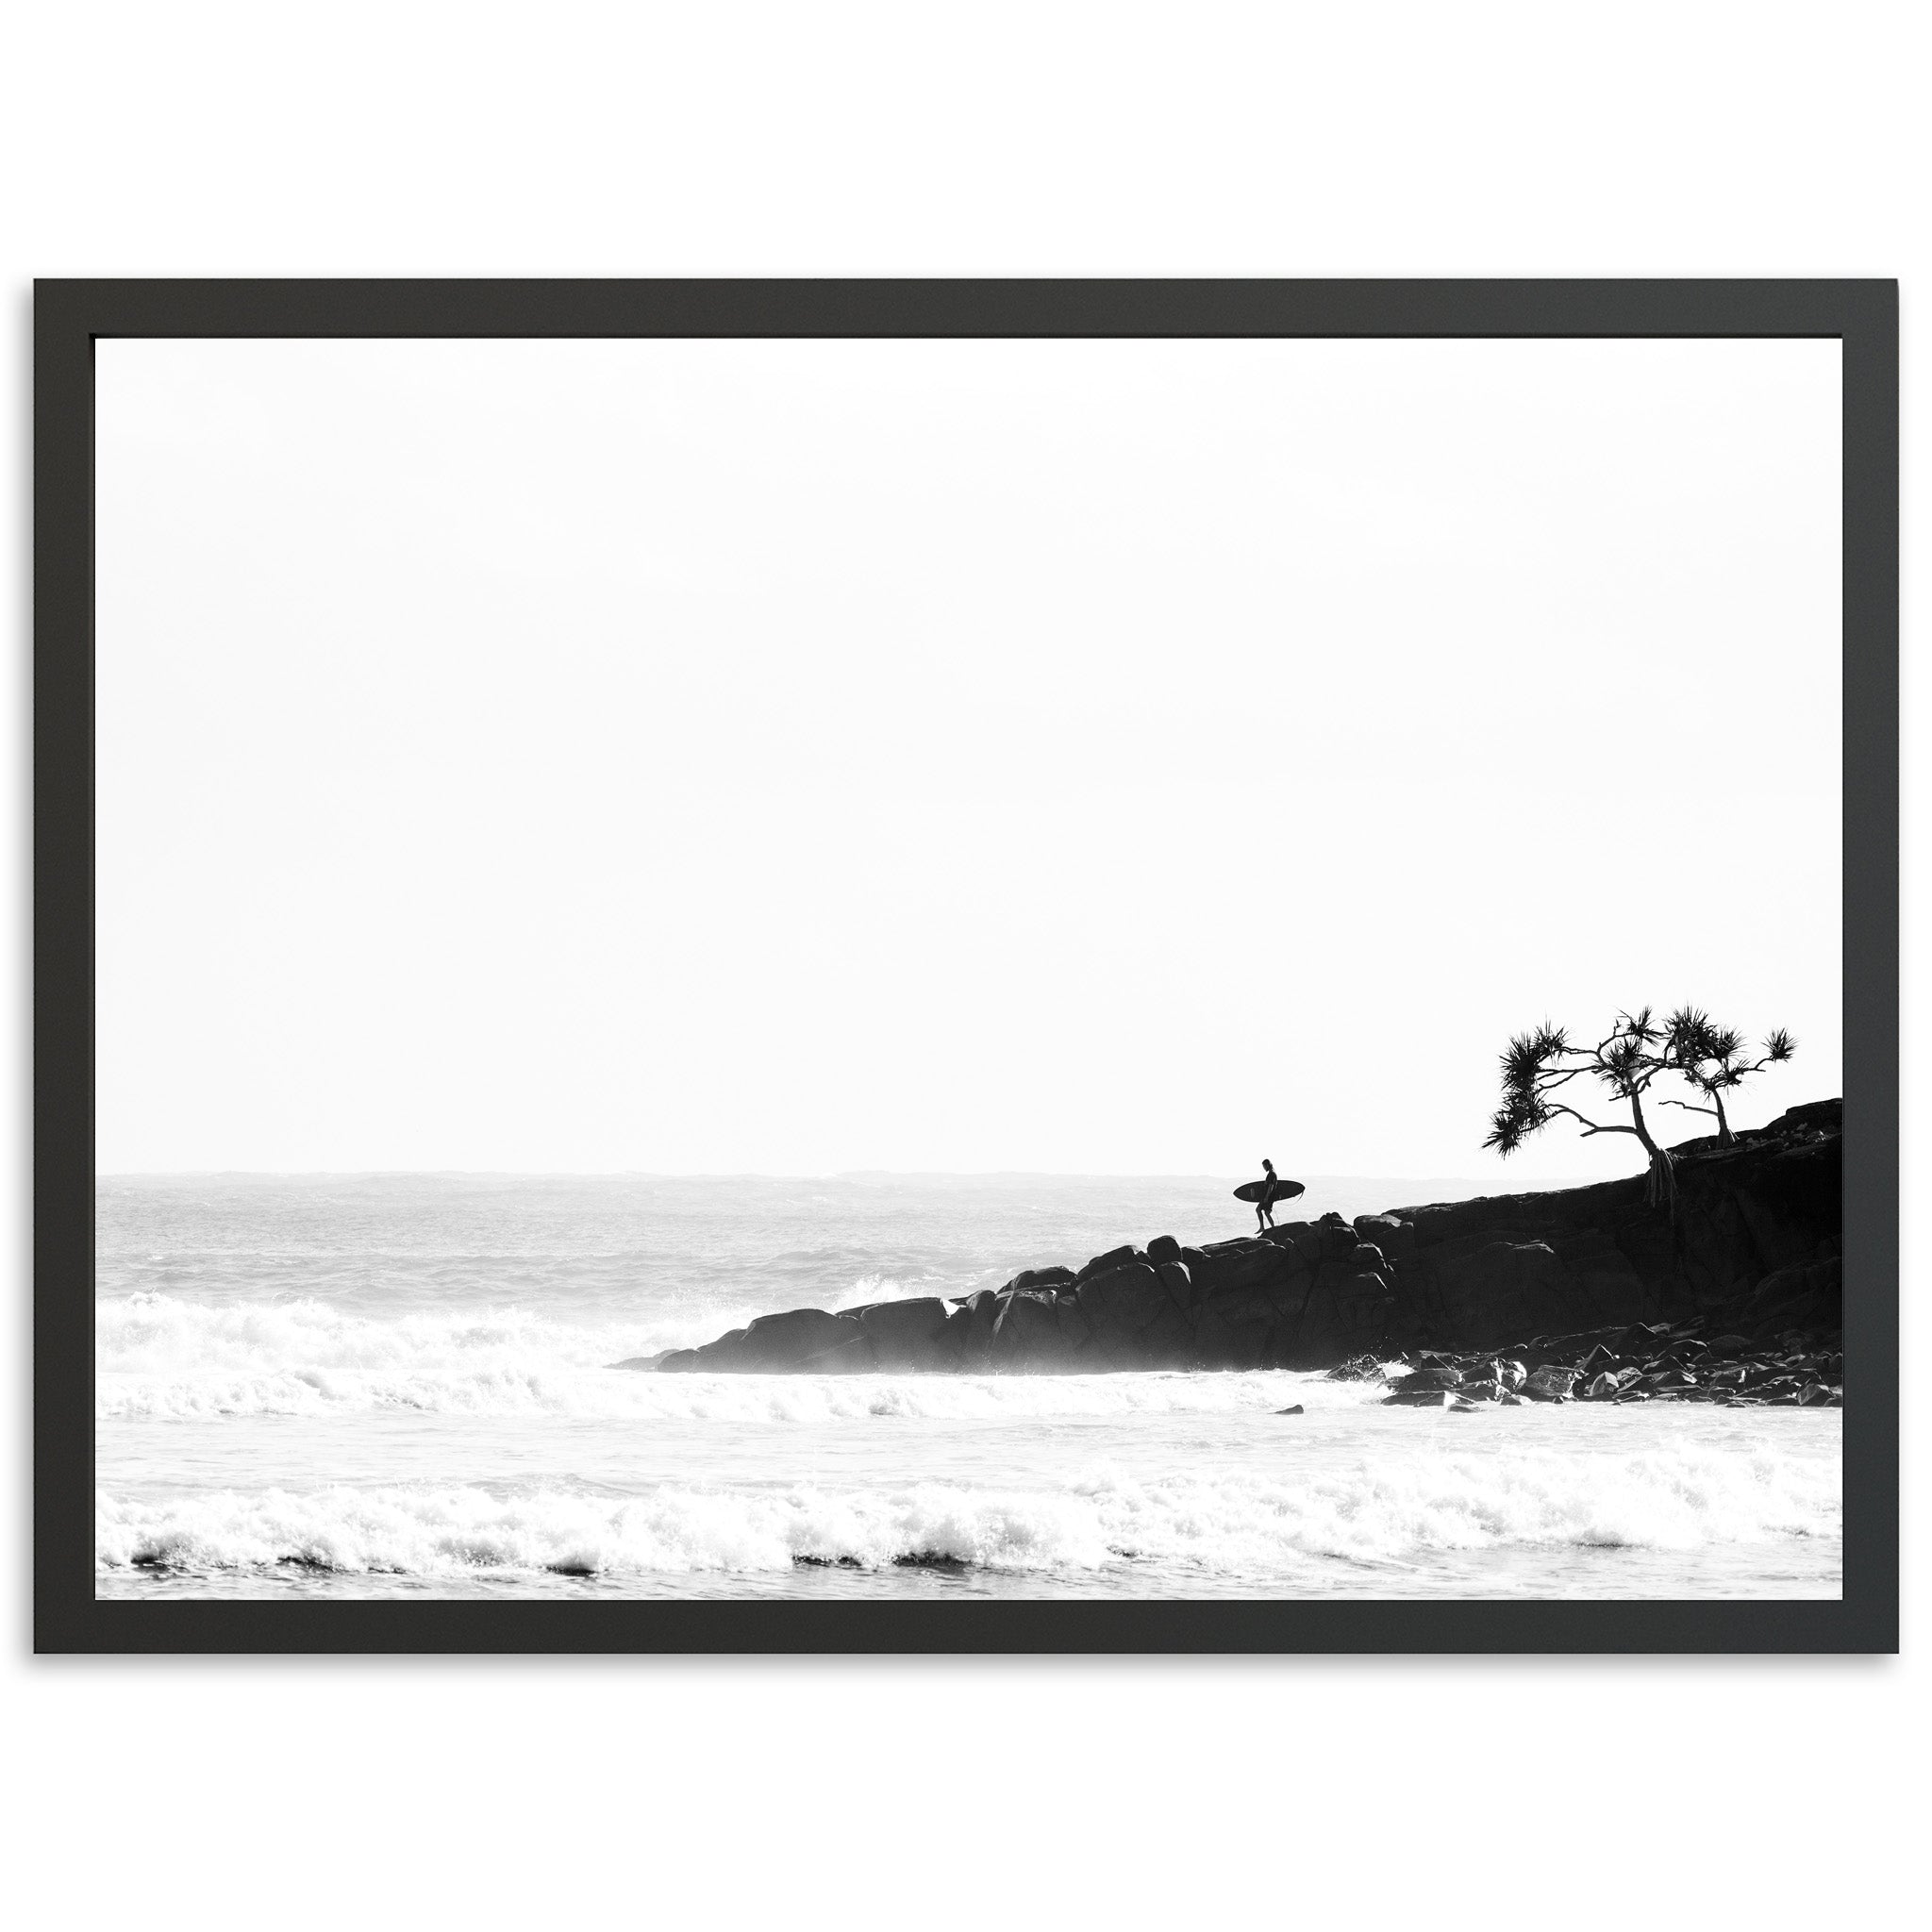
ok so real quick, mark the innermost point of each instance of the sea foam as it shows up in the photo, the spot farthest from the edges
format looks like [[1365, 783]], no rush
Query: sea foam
[[1253, 1525], [160, 1358]]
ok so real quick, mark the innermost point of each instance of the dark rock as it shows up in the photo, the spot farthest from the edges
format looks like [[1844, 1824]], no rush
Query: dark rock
[[1238, 1264], [1106, 1263], [1347, 1284], [1266, 1304], [1388, 1232], [1641, 1336], [783, 1341], [889, 1322], [1220, 1343], [1813, 1291], [1294, 1409], [970, 1325], [1167, 1341], [1027, 1333], [1599, 1273], [724, 1355], [1302, 1242], [1489, 1291], [1407, 1397], [1045, 1277], [678, 1362], [1178, 1280], [1685, 1355], [1549, 1383], [1077, 1328], [854, 1358], [1126, 1298], [1163, 1247], [1361, 1368], [1339, 1239], [645, 1361], [910, 1335]]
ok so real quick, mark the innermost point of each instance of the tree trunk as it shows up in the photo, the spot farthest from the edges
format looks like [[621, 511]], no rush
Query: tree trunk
[[1660, 1189], [1724, 1137]]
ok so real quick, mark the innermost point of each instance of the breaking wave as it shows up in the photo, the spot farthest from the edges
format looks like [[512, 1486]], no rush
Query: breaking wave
[[158, 1359], [1254, 1524]]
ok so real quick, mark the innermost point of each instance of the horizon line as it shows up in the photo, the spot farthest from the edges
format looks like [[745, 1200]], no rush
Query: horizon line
[[134, 1173]]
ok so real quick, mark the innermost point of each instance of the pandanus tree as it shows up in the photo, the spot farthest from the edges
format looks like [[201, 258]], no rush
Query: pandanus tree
[[1717, 1061], [1539, 1067]]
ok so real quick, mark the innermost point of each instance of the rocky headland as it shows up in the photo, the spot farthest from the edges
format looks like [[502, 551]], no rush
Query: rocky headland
[[1733, 1294]]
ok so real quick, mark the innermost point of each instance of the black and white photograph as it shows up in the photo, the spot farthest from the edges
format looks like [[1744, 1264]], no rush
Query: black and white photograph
[[935, 970], [966, 964]]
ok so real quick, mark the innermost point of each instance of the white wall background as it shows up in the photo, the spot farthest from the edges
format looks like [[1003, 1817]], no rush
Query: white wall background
[[1212, 140]]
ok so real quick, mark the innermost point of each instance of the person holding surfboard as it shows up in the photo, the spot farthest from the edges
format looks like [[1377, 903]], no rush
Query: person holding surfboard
[[1264, 1207], [1264, 1193]]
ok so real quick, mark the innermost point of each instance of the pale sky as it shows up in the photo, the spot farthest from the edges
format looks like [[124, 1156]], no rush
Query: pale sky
[[780, 757]]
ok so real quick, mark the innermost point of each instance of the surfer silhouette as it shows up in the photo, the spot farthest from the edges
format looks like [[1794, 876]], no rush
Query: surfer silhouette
[[1264, 1207]]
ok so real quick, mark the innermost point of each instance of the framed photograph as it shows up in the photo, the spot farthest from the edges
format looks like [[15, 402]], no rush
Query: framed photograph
[[966, 966]]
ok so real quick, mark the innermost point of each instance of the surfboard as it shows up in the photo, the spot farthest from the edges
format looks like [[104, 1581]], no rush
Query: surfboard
[[1283, 1191]]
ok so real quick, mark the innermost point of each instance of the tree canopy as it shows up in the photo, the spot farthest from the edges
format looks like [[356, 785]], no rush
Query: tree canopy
[[1540, 1066], [1717, 1061]]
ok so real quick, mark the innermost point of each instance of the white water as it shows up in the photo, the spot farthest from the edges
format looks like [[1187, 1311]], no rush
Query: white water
[[398, 1386]]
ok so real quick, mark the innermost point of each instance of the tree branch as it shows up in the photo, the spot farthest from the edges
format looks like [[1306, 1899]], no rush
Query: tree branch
[[1553, 1076], [1590, 1126]]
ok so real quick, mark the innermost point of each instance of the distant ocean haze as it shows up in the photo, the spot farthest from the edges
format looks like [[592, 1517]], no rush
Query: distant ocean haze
[[662, 1256]]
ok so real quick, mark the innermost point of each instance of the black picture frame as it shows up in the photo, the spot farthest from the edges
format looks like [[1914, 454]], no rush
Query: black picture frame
[[69, 316]]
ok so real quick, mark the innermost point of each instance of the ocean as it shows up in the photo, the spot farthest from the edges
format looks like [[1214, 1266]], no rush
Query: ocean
[[399, 1385]]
